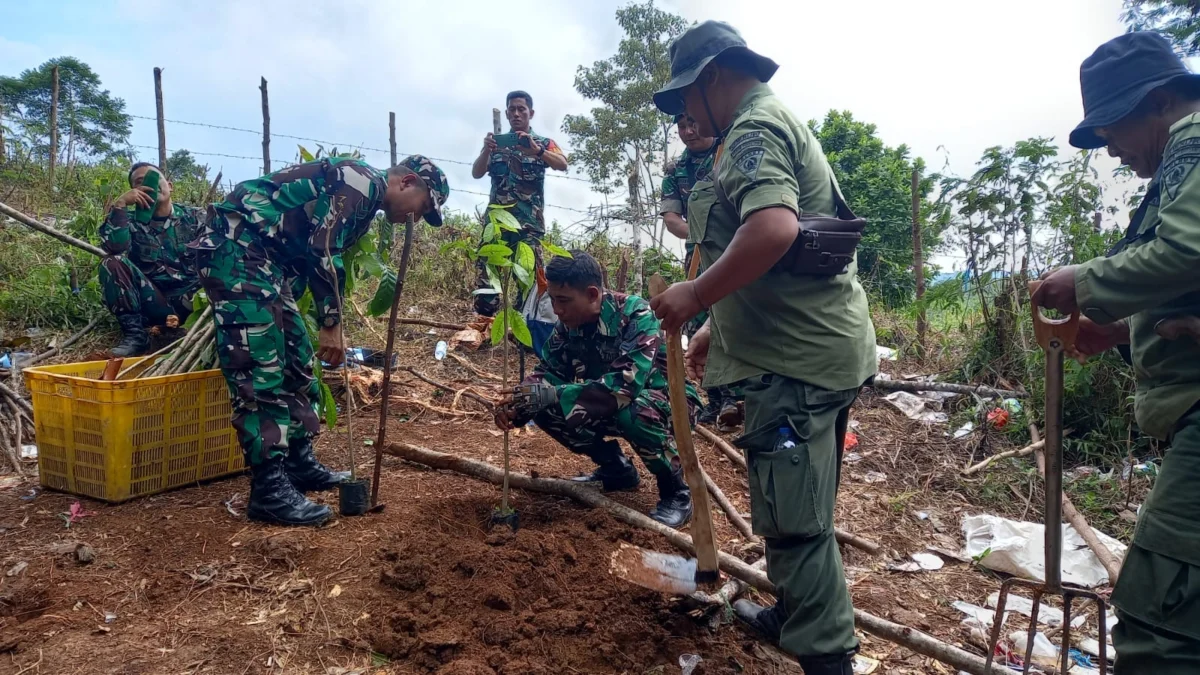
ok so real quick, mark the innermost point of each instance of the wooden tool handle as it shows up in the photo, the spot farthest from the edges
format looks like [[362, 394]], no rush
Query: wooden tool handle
[[703, 536], [1045, 330]]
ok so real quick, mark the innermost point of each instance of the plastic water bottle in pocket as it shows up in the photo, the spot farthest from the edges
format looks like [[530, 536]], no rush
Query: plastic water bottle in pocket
[[787, 440], [439, 352]]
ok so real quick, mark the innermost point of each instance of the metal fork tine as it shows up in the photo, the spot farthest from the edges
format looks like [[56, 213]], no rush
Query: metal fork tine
[[1032, 633], [1065, 652], [997, 624]]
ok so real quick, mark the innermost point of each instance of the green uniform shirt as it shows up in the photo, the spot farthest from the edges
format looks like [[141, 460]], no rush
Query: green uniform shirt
[[158, 248], [1157, 276], [810, 328]]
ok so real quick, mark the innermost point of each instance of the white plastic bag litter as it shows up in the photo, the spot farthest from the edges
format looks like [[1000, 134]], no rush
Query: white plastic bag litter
[[914, 407], [1047, 615], [1018, 548]]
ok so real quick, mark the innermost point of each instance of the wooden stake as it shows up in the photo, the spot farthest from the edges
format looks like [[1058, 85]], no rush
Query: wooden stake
[[918, 260], [388, 350], [2, 153], [266, 143], [162, 122], [392, 136], [212, 189], [702, 527], [53, 123], [904, 636]]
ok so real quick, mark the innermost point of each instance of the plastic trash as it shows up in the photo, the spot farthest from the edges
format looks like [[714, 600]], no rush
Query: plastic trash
[[29, 452], [929, 561], [875, 477], [1047, 615], [688, 663], [1045, 654], [1012, 405], [964, 430], [1018, 548], [914, 407], [977, 617], [998, 418], [851, 441], [439, 352]]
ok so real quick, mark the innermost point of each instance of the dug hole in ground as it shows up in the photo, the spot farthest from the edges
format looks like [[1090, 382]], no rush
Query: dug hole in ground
[[181, 582]]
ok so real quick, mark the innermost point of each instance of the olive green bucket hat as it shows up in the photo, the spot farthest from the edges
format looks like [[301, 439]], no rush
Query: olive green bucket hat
[[693, 50]]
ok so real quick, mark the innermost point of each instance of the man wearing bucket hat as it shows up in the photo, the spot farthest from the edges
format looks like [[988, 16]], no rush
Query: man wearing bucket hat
[[270, 238], [1142, 103], [801, 344]]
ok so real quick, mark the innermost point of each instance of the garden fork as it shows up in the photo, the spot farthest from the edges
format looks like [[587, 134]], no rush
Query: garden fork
[[1056, 337]]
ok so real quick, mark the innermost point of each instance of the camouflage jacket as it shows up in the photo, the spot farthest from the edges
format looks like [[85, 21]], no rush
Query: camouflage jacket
[[681, 176], [158, 248], [303, 218], [601, 367], [521, 180]]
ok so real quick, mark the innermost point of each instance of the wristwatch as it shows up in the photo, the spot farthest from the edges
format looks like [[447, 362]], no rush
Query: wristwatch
[[541, 151]]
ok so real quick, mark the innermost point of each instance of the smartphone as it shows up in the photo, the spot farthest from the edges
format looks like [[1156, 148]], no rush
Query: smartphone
[[141, 213], [511, 140]]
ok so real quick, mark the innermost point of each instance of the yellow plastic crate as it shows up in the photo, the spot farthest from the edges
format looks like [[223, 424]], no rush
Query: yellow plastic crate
[[114, 441]]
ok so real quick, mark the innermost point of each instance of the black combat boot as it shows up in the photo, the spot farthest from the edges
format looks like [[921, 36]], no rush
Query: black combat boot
[[306, 473], [708, 414], [273, 498], [730, 417], [674, 507], [134, 340], [613, 471], [766, 620]]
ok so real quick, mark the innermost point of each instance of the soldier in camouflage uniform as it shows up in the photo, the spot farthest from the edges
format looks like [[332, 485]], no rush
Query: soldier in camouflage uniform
[[147, 275], [694, 164], [605, 374], [267, 240], [518, 178]]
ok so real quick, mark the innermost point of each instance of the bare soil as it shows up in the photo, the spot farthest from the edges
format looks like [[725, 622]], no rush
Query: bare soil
[[182, 583]]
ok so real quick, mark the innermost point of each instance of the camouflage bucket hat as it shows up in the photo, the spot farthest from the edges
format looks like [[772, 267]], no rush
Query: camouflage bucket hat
[[693, 50], [435, 180]]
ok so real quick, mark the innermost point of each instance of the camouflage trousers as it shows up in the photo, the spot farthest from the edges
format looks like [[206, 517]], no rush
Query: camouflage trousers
[[126, 290], [487, 304], [645, 424], [263, 348]]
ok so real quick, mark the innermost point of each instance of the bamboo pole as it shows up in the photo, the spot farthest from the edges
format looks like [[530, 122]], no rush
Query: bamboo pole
[[46, 229], [160, 118], [266, 140]]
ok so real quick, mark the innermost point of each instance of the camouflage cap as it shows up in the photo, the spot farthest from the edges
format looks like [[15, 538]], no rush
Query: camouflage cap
[[435, 180]]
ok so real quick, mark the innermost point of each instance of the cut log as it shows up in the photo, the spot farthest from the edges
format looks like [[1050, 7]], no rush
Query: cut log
[[904, 636], [431, 324], [65, 343], [46, 229], [987, 461], [918, 387]]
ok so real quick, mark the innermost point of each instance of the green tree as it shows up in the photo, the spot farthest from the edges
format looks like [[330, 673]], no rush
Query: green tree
[[1179, 20], [91, 122], [181, 165], [623, 142], [877, 182]]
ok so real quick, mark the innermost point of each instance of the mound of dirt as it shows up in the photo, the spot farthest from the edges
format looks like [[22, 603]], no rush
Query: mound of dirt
[[467, 605]]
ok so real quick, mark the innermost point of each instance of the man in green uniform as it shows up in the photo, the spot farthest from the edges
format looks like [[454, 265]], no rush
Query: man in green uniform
[[518, 179], [270, 238], [694, 164], [802, 345], [1144, 105], [147, 275], [604, 373]]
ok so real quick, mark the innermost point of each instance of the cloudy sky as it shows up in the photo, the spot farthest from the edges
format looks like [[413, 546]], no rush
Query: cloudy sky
[[947, 77]]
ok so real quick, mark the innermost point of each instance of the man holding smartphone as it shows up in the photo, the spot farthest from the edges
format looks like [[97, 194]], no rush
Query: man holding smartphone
[[518, 173]]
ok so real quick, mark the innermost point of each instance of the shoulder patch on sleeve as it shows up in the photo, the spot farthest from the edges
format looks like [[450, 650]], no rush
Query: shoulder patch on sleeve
[[750, 139], [1181, 159], [748, 161]]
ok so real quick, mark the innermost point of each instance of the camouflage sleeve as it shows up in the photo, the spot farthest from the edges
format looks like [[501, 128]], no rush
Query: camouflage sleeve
[[114, 232], [551, 369], [672, 199], [347, 204], [628, 375]]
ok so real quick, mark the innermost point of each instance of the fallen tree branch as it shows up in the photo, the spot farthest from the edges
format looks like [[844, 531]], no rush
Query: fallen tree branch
[[904, 636], [1027, 450], [1106, 557], [843, 536], [728, 450], [730, 591], [431, 324], [46, 229], [918, 387], [442, 385], [433, 408], [16, 399], [65, 343], [474, 369], [731, 513]]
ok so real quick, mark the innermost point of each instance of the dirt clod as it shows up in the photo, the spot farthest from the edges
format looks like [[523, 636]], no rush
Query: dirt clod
[[406, 575], [499, 599], [465, 667]]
